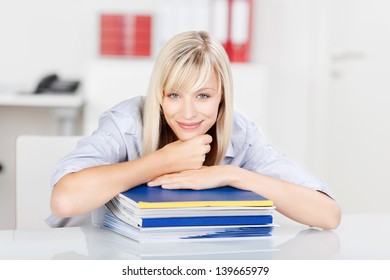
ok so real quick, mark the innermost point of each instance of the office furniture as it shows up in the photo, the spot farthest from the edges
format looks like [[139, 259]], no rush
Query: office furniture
[[35, 160], [359, 237], [43, 114], [65, 107]]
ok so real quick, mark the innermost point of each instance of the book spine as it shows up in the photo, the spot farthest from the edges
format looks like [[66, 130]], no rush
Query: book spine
[[186, 204], [207, 221]]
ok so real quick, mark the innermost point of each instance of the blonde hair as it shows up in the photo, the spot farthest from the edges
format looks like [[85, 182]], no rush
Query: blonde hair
[[185, 64]]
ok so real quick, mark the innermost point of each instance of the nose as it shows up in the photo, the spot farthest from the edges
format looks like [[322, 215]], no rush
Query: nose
[[188, 109]]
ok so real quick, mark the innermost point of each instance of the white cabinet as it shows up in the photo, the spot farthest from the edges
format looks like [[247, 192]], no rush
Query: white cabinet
[[33, 115]]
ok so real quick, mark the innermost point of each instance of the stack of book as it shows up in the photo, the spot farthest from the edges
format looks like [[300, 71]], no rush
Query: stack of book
[[153, 214]]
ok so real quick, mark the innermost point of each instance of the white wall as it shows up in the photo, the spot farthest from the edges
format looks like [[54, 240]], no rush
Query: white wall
[[358, 113], [42, 36], [283, 43], [329, 92]]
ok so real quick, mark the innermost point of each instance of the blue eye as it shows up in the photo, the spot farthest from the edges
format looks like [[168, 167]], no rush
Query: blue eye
[[173, 95], [202, 96]]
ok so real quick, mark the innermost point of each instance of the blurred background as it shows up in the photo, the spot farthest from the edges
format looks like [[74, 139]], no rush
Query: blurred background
[[313, 74]]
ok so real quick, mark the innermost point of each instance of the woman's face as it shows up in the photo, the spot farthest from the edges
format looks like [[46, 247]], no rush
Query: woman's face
[[190, 114]]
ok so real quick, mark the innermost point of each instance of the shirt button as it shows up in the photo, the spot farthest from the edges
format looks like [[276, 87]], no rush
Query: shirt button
[[108, 133]]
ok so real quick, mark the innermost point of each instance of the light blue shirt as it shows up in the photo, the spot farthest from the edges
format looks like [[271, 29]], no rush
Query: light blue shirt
[[118, 138]]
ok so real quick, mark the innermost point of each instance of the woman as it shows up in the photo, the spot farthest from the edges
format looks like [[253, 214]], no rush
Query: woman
[[185, 135]]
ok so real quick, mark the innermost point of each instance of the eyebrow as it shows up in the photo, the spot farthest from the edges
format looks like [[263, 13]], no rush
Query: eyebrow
[[207, 88], [165, 91]]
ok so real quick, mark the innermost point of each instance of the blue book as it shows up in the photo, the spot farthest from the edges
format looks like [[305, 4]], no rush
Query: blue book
[[235, 232], [144, 197], [174, 234], [207, 221]]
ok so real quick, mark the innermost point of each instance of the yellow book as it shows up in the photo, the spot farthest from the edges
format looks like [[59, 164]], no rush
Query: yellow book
[[144, 197]]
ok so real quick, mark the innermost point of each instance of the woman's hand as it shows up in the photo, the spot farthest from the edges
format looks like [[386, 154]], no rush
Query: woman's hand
[[207, 177], [186, 155]]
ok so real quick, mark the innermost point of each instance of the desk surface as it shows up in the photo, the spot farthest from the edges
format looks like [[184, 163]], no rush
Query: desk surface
[[363, 236], [46, 100]]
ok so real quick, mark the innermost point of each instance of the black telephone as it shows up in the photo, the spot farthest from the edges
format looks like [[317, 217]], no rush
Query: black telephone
[[52, 83]]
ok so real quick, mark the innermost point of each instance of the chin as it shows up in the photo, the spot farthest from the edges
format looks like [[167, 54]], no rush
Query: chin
[[187, 135]]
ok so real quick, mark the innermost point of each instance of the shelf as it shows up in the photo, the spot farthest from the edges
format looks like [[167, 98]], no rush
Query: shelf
[[47, 100], [65, 107]]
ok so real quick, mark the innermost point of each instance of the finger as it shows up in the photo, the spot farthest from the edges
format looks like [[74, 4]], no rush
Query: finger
[[203, 139], [152, 184], [170, 186], [176, 186], [207, 148], [155, 182], [164, 179], [207, 139]]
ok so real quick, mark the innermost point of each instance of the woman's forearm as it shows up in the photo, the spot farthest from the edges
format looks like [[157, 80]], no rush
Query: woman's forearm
[[83, 191], [299, 203]]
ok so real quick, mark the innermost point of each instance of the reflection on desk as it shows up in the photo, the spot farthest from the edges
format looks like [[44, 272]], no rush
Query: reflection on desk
[[359, 237]]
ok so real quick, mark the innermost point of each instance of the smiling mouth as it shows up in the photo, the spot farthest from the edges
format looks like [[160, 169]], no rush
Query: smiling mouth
[[189, 126]]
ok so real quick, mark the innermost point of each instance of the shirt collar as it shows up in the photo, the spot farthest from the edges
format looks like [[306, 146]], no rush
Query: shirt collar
[[230, 150]]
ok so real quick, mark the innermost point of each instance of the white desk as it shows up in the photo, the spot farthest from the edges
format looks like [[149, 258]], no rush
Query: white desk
[[363, 236], [65, 107]]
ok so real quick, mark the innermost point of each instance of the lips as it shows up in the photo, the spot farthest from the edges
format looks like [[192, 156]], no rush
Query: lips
[[189, 126]]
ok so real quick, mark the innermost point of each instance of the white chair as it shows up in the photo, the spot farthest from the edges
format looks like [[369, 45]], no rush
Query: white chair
[[35, 160]]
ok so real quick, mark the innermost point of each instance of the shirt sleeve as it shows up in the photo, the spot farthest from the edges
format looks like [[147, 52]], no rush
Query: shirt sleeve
[[105, 146], [263, 158]]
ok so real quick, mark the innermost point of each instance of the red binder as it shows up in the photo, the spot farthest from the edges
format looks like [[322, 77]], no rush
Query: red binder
[[125, 35], [240, 20], [220, 22], [231, 24], [111, 34]]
